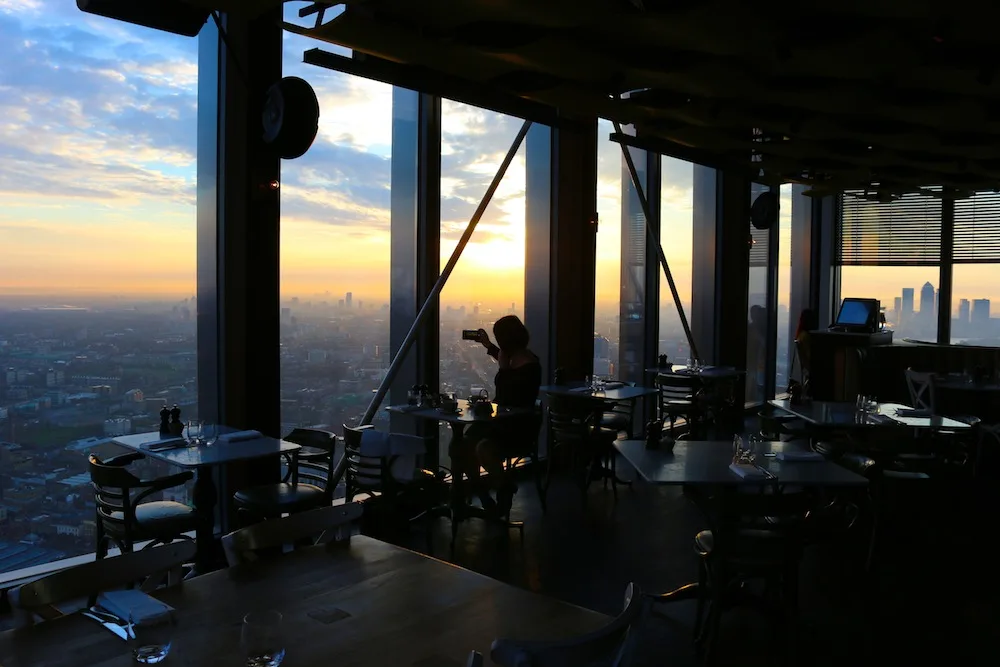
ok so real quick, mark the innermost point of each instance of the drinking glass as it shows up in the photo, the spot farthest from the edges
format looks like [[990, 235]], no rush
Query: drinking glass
[[261, 640], [209, 434], [194, 431], [150, 642]]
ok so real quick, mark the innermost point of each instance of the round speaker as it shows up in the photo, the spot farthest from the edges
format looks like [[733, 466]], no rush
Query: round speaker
[[764, 211], [291, 117]]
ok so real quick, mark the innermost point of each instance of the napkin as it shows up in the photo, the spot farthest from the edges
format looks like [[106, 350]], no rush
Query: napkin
[[792, 455], [162, 445], [240, 436], [135, 605], [747, 471]]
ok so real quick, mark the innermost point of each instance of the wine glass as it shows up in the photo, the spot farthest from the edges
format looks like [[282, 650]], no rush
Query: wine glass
[[150, 642], [209, 434], [261, 639]]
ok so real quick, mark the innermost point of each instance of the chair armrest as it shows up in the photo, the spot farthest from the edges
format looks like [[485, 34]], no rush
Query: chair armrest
[[125, 459]]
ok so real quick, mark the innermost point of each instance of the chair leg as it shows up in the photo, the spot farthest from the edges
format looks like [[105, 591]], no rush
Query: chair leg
[[699, 613], [540, 486], [614, 472]]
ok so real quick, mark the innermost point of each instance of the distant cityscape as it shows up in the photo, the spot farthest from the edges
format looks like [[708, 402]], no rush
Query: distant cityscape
[[971, 323]]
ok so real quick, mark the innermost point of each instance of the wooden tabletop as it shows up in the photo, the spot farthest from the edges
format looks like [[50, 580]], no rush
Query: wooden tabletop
[[695, 462], [366, 604], [463, 416], [218, 453], [625, 393], [844, 415]]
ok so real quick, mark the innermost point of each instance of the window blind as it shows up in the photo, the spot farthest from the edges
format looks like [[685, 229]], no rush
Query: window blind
[[902, 232], [977, 229], [759, 245]]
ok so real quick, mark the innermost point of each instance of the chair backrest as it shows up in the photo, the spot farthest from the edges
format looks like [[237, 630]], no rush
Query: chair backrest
[[364, 473], [87, 580], [675, 387], [611, 646], [572, 418], [475, 659], [315, 467], [921, 386], [325, 524], [112, 490]]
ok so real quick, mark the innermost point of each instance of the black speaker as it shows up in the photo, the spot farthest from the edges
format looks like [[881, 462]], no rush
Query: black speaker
[[291, 117], [170, 15], [764, 211]]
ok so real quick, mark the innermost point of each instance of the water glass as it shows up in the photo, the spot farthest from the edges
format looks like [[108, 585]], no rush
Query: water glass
[[194, 431], [150, 642], [209, 434], [261, 640]]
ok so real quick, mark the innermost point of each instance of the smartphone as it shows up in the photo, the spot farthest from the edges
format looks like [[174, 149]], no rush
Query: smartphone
[[470, 334]]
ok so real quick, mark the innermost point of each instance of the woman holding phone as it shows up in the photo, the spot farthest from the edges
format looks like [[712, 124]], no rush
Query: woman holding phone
[[517, 381]]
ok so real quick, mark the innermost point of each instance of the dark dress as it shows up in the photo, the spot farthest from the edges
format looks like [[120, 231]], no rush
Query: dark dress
[[515, 388]]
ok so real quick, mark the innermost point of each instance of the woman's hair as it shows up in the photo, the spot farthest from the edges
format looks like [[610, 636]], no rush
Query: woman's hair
[[511, 334], [808, 321]]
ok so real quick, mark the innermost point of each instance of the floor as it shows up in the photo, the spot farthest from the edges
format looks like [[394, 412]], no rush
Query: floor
[[903, 612]]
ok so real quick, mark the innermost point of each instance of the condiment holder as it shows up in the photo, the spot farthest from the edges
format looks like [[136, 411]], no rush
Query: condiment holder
[[480, 405]]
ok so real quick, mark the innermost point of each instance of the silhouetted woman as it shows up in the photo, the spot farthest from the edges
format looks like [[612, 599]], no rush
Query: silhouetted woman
[[517, 381]]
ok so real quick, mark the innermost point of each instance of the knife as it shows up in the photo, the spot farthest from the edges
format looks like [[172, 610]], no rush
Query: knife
[[113, 627]]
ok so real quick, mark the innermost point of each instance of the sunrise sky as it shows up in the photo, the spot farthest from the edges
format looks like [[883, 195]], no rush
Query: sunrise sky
[[97, 176]]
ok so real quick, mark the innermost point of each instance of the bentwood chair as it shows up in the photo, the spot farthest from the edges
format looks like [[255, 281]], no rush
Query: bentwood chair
[[305, 483], [614, 645], [325, 524], [150, 566], [123, 518]]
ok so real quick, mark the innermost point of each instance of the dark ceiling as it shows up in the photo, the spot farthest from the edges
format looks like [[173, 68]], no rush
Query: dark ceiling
[[884, 95]]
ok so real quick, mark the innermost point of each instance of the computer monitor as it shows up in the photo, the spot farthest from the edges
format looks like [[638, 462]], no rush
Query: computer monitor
[[858, 314]]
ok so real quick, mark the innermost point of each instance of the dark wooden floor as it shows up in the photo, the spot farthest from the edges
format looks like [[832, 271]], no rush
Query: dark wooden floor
[[924, 602]]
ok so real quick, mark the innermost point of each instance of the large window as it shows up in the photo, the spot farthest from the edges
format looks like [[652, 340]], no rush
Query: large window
[[908, 294], [607, 285], [488, 281], [976, 297], [335, 252], [676, 228], [97, 260], [786, 319], [758, 304]]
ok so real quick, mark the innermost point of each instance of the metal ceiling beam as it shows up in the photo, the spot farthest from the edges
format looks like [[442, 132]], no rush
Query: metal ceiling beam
[[427, 81]]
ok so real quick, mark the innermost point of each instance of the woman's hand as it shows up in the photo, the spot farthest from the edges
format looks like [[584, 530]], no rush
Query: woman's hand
[[483, 338]]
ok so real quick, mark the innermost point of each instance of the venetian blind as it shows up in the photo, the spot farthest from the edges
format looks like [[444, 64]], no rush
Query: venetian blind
[[902, 232], [977, 228]]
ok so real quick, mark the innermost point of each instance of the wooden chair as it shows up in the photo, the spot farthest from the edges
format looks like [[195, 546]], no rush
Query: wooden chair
[[122, 516], [921, 386], [305, 484], [521, 451], [620, 416], [40, 597], [318, 525], [575, 434], [678, 397], [757, 535], [612, 646]]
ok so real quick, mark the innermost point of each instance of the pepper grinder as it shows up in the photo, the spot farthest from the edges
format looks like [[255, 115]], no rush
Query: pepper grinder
[[176, 426], [165, 421]]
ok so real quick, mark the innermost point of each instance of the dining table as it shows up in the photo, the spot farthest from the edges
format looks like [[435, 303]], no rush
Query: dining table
[[704, 467], [848, 415], [359, 603], [229, 447]]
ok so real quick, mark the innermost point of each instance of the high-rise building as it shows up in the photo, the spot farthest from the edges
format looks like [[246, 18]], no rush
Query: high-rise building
[[897, 309], [980, 311], [927, 302], [906, 312], [963, 311], [348, 298]]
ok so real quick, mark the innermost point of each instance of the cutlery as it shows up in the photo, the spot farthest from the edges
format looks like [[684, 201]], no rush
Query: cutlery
[[113, 627], [111, 617]]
